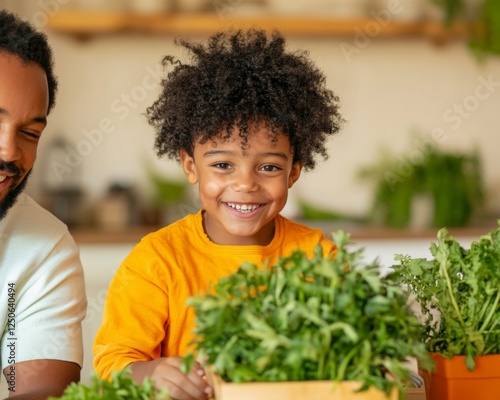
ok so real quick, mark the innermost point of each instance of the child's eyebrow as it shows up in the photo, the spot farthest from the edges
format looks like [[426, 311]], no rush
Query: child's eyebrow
[[213, 153]]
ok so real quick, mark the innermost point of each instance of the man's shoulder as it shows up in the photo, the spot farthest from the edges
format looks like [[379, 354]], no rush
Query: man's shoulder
[[29, 217]]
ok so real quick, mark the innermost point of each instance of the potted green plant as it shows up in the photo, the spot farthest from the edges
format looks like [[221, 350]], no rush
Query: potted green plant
[[451, 181], [307, 328], [459, 295], [452, 9], [120, 387], [311, 212], [484, 36], [168, 196]]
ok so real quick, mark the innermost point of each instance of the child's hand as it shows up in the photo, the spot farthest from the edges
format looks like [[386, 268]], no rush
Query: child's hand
[[167, 374]]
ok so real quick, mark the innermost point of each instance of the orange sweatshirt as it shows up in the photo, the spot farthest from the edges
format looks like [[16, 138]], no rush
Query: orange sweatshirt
[[145, 315]]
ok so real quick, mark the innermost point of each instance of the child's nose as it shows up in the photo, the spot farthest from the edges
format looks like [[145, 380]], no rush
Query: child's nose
[[246, 181], [9, 146]]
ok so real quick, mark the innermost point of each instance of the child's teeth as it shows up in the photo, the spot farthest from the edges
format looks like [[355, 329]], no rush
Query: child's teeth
[[2, 178], [243, 207]]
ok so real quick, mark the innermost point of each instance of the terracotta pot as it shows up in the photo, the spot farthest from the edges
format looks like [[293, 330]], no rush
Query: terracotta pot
[[310, 390], [451, 379]]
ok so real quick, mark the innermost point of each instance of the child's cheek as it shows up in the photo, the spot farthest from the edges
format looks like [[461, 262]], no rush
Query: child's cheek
[[212, 189]]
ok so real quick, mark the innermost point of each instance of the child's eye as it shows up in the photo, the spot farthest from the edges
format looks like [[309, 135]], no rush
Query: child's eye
[[270, 168], [222, 165]]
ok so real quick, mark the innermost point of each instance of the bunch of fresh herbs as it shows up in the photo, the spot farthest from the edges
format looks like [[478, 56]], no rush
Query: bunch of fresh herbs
[[459, 294], [120, 387], [309, 319]]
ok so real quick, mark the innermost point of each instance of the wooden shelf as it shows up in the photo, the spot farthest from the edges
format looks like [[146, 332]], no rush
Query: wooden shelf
[[86, 24]]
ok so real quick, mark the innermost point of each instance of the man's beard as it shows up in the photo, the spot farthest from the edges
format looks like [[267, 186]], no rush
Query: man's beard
[[13, 193]]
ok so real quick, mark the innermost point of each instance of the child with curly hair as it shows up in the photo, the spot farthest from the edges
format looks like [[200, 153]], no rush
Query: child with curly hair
[[243, 119]]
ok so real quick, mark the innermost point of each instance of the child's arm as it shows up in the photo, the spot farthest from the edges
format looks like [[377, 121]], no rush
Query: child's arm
[[167, 374], [133, 328]]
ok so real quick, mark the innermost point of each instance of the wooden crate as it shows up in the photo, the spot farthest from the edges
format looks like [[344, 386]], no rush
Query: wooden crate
[[310, 390], [415, 394]]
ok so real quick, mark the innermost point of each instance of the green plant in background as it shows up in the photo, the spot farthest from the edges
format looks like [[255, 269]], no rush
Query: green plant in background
[[167, 191], [485, 30], [311, 212], [452, 9], [309, 319], [452, 180], [120, 387], [463, 286], [167, 203], [486, 35]]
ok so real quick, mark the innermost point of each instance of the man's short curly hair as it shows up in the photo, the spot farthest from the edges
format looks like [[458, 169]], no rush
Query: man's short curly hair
[[240, 79], [20, 38]]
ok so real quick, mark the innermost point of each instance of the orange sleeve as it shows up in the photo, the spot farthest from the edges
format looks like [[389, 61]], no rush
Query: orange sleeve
[[132, 328], [329, 248]]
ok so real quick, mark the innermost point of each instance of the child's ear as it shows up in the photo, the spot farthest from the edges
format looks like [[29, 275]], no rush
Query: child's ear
[[188, 166], [294, 174]]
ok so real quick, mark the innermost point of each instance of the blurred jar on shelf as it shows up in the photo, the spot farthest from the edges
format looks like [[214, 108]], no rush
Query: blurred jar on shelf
[[117, 210], [61, 187]]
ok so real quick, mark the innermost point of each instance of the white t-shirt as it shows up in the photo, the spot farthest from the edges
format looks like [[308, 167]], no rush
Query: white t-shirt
[[42, 291]]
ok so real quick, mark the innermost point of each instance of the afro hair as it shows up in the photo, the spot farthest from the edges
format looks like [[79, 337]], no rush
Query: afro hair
[[238, 79]]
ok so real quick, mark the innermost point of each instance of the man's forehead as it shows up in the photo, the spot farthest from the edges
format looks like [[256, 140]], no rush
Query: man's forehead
[[23, 87]]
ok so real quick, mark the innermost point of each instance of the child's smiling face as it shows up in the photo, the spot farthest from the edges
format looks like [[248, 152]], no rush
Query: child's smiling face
[[242, 189]]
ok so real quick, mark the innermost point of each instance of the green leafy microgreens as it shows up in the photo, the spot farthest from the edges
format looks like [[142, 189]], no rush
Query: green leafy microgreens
[[120, 387], [309, 319], [459, 295]]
